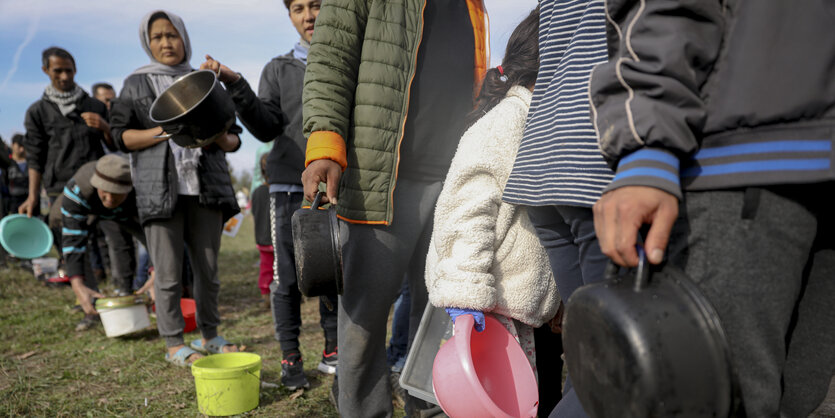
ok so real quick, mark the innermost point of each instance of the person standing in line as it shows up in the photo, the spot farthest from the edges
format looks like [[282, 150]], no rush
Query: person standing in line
[[184, 195], [386, 92], [104, 93], [276, 115], [484, 257], [16, 175], [559, 172], [118, 248], [14, 179], [100, 190], [263, 241], [64, 130], [719, 119]]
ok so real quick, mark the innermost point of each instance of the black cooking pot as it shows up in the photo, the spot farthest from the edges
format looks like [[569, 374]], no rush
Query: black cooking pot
[[641, 347], [194, 110], [317, 249]]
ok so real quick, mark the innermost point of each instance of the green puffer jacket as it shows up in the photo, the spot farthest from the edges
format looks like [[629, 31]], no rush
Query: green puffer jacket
[[359, 69]]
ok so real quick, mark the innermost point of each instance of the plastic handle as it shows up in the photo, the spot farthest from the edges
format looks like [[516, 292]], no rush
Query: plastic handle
[[463, 324], [316, 201]]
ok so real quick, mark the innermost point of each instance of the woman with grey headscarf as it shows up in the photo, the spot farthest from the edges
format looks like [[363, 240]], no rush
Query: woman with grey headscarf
[[183, 195]]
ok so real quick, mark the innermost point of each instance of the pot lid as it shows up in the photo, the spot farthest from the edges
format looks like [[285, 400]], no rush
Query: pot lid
[[121, 301]]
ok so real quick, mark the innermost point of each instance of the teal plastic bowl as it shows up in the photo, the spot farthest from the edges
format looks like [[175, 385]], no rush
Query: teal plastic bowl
[[25, 237]]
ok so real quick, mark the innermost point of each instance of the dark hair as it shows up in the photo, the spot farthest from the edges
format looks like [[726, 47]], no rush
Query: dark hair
[[55, 51], [157, 16], [17, 139], [520, 66], [101, 86], [287, 4], [262, 165]]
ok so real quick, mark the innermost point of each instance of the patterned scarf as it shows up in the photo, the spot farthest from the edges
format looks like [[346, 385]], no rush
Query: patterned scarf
[[65, 100]]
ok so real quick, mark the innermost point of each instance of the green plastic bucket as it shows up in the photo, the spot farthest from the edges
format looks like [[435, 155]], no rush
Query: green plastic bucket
[[25, 237], [228, 383]]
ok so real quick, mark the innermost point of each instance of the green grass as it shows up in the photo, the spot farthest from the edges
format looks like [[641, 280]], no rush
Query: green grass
[[48, 369]]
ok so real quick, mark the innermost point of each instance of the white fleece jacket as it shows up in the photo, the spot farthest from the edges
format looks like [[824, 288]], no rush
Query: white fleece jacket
[[484, 253]]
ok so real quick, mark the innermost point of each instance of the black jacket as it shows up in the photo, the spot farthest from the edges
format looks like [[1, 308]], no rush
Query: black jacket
[[155, 179], [276, 114], [709, 94], [57, 145]]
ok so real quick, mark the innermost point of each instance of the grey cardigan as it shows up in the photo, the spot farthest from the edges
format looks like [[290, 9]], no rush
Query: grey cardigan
[[276, 114]]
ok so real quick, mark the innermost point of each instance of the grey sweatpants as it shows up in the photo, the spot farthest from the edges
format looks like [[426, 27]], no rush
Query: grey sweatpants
[[375, 259], [765, 258], [200, 228]]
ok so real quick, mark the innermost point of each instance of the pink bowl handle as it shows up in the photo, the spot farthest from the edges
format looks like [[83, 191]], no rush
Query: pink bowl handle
[[463, 325]]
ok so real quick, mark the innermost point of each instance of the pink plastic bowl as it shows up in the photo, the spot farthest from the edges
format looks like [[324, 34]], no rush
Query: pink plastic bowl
[[484, 374]]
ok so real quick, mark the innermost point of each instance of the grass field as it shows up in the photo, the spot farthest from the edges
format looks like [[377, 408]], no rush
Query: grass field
[[48, 369]]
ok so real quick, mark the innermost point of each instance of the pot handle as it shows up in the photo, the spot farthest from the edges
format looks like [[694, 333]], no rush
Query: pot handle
[[317, 200], [642, 274]]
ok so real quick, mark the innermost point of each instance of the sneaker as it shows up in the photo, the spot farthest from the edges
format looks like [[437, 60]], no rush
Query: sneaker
[[57, 281], [292, 373], [329, 362], [88, 322]]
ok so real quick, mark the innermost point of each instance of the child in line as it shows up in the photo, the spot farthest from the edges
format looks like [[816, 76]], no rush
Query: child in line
[[485, 255], [263, 238]]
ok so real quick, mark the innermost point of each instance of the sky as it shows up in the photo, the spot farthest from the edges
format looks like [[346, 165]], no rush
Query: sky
[[103, 37]]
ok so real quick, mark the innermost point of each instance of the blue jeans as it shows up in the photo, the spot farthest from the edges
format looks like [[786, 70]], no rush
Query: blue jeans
[[399, 342], [143, 261]]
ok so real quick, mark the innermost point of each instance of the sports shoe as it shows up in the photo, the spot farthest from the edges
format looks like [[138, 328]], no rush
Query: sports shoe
[[329, 362], [292, 373]]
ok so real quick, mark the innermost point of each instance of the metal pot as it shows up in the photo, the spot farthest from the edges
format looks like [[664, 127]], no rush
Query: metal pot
[[317, 250], [637, 347], [195, 110]]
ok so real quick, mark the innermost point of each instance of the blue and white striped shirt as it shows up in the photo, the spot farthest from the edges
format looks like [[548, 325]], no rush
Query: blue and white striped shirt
[[559, 161]]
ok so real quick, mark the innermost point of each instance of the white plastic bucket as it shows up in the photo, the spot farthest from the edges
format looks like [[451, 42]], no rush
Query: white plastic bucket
[[122, 318]]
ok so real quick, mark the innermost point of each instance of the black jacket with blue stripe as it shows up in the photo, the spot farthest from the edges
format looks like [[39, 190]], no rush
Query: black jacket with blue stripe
[[80, 208], [706, 95]]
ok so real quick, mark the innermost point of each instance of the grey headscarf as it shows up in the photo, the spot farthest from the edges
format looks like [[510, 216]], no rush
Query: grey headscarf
[[161, 76], [156, 67]]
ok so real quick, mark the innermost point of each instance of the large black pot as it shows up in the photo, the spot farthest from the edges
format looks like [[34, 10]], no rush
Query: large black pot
[[641, 347], [194, 110], [317, 250]]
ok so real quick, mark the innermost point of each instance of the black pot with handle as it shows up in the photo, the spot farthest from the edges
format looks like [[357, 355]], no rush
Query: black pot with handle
[[647, 344], [317, 250]]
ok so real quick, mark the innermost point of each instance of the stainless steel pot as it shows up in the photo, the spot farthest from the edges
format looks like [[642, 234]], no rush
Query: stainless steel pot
[[194, 110], [317, 250], [641, 346]]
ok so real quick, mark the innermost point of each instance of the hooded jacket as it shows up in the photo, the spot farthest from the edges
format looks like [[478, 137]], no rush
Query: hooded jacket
[[276, 114]]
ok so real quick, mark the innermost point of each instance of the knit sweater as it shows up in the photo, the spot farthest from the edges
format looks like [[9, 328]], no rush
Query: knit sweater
[[484, 253], [559, 162]]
